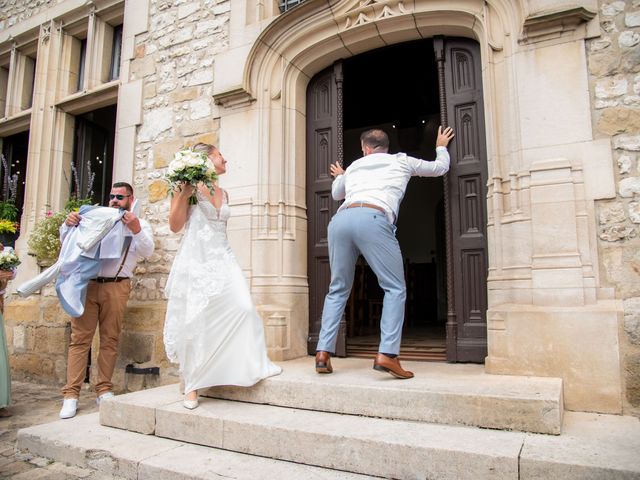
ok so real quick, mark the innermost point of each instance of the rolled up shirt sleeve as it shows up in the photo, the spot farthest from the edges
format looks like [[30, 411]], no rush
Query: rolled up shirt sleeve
[[437, 168]]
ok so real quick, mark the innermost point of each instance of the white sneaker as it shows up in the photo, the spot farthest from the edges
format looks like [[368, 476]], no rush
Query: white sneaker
[[104, 396], [69, 407]]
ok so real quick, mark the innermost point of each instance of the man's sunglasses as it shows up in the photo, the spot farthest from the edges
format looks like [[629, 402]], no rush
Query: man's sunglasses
[[118, 196]]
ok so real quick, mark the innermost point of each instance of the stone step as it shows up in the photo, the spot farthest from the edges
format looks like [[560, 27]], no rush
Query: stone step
[[83, 442], [591, 446], [452, 394]]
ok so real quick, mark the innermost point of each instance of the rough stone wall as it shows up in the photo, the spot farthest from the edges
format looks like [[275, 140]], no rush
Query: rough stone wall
[[614, 67], [15, 11], [174, 59]]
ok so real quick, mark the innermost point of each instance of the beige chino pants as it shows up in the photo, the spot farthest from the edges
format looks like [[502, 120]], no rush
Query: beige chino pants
[[104, 308]]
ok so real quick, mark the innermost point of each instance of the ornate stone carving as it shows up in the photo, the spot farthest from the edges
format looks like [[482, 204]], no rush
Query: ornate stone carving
[[367, 11], [45, 33]]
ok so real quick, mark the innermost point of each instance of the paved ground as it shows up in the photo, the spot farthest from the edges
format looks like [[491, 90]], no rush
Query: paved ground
[[33, 405]]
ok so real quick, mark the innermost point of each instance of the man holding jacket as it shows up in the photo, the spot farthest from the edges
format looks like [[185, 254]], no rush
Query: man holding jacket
[[106, 300]]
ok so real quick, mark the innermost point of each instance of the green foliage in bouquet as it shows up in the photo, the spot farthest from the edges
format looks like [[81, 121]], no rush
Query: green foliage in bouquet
[[8, 259]]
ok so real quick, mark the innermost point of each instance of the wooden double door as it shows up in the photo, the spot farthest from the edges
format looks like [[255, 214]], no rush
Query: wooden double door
[[453, 65]]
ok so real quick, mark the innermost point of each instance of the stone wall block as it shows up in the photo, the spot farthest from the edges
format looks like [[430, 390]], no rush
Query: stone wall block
[[145, 318], [32, 366], [632, 378], [631, 60], [183, 95], [135, 347], [629, 187], [54, 314], [50, 339], [624, 164], [22, 311], [158, 190], [628, 39], [143, 67], [603, 63], [196, 127], [155, 122], [614, 213], [188, 9], [634, 212], [627, 142], [200, 77], [612, 9], [616, 233], [632, 319], [163, 152], [619, 120], [611, 87], [632, 19], [631, 101]]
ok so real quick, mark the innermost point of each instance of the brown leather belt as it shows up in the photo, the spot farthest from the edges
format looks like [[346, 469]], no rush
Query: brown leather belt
[[109, 279], [367, 205]]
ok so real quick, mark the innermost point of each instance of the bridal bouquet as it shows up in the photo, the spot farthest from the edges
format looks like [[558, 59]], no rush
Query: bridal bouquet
[[190, 167], [8, 259]]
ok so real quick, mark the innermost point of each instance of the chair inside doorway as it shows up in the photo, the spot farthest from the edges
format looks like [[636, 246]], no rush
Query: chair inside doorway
[[423, 336]]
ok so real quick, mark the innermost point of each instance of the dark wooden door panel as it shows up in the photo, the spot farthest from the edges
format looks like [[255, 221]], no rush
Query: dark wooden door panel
[[467, 180], [324, 134]]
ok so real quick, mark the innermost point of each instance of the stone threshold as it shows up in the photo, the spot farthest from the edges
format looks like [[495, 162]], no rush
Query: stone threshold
[[451, 394]]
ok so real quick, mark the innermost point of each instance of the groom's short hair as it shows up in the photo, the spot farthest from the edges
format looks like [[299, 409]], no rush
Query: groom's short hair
[[125, 185], [375, 139]]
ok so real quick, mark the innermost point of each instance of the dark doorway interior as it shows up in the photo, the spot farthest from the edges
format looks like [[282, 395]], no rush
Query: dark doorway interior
[[93, 154], [15, 149], [396, 89]]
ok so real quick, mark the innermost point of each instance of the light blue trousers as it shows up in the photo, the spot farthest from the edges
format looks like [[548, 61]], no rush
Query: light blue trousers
[[365, 231]]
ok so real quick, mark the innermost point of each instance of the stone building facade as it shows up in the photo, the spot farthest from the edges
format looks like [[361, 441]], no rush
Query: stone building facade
[[561, 94], [614, 83]]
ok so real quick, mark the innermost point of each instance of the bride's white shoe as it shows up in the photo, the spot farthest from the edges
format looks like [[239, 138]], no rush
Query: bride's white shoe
[[190, 403]]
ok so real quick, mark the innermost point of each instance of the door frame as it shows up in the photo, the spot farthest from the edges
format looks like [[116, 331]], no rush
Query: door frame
[[458, 349]]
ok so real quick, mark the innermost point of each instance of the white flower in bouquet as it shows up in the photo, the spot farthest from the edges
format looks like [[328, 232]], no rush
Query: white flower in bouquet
[[8, 259], [189, 167]]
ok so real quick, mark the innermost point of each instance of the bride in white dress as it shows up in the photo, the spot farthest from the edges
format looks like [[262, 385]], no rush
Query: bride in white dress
[[212, 328]]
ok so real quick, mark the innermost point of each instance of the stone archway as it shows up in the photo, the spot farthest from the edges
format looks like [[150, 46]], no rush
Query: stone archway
[[280, 65]]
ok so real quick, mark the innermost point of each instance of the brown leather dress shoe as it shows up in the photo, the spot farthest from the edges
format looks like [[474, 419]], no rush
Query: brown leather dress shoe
[[382, 363], [323, 362]]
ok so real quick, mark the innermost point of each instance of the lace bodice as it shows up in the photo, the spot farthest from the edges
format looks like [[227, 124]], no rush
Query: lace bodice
[[216, 219], [201, 265]]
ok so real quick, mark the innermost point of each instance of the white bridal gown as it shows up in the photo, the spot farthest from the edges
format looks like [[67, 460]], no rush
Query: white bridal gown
[[212, 328]]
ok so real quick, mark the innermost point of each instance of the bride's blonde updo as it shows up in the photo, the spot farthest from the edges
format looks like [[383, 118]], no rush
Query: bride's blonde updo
[[205, 148]]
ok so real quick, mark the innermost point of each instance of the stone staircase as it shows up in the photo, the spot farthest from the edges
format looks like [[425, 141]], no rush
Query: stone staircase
[[451, 421]]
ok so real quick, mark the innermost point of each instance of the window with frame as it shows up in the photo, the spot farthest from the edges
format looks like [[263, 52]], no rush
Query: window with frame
[[116, 53]]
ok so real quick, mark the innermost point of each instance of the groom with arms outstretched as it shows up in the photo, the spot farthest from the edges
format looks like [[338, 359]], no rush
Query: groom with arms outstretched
[[372, 188]]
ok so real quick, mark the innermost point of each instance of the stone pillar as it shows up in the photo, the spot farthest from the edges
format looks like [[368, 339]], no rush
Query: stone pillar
[[556, 269]]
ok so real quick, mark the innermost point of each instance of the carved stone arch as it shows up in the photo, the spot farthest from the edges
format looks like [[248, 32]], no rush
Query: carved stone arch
[[291, 50]]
